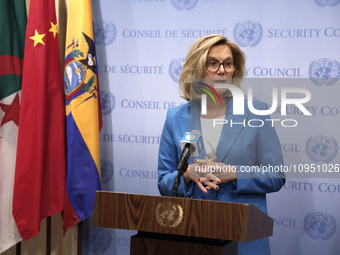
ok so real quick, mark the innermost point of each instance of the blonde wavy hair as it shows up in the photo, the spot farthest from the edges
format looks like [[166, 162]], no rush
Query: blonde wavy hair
[[194, 65]]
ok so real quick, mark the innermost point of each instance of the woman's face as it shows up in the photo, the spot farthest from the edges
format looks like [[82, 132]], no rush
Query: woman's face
[[217, 55]]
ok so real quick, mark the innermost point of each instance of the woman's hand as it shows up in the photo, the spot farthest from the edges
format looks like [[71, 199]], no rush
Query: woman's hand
[[208, 174], [209, 180]]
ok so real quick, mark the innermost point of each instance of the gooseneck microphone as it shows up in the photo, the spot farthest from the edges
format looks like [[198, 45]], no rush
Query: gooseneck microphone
[[183, 161], [192, 145]]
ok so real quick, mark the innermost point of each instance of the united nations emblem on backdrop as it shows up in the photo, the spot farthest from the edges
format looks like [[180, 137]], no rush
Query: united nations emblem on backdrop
[[324, 72], [323, 3], [184, 5], [169, 214], [99, 239], [107, 101], [319, 225], [248, 33], [175, 69], [322, 148], [105, 32], [106, 170]]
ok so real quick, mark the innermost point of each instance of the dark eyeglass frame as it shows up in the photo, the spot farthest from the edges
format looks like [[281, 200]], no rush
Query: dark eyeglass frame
[[227, 69]]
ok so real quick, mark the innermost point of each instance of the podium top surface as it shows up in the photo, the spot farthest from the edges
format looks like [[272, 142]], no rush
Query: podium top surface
[[181, 216]]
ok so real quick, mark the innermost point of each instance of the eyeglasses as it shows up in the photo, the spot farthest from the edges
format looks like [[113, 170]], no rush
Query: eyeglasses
[[213, 65]]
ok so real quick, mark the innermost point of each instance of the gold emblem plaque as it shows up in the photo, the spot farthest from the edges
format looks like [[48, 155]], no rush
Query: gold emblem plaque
[[169, 214]]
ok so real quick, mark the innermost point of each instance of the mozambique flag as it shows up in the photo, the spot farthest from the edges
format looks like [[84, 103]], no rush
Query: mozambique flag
[[12, 30], [39, 187], [83, 115]]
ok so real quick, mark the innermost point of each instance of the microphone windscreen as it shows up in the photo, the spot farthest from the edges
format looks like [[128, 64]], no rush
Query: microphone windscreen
[[194, 138]]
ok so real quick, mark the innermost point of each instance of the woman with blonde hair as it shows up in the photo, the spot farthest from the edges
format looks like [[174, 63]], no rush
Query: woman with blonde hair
[[212, 64]]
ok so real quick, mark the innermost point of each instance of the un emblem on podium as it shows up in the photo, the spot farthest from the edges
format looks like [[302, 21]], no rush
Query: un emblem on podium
[[169, 214]]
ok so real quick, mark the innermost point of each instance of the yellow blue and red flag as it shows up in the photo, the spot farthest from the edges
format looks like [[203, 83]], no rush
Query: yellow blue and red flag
[[83, 114]]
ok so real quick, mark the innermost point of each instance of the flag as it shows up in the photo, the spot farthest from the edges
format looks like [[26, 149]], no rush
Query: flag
[[12, 30], [39, 186], [83, 115]]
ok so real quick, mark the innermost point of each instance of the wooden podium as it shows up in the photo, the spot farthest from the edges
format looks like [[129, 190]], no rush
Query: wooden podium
[[171, 225]]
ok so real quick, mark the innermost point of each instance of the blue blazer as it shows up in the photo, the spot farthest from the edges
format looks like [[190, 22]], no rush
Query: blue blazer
[[240, 145]]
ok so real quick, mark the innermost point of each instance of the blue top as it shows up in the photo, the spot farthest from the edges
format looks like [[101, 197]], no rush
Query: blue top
[[240, 145]]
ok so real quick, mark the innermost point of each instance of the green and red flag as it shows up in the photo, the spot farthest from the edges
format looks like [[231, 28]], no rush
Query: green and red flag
[[12, 30]]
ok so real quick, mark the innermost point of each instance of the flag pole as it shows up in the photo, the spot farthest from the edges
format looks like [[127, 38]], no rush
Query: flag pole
[[18, 249], [48, 235], [80, 237]]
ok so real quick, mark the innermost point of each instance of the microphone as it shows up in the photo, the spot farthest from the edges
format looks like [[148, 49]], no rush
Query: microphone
[[191, 144]]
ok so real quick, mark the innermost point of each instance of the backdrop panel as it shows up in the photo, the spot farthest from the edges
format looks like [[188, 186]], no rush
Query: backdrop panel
[[141, 45]]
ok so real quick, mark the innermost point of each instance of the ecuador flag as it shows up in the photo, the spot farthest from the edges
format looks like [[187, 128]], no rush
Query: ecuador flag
[[83, 115]]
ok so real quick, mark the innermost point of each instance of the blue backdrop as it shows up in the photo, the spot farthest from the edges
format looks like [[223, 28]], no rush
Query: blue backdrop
[[141, 45]]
